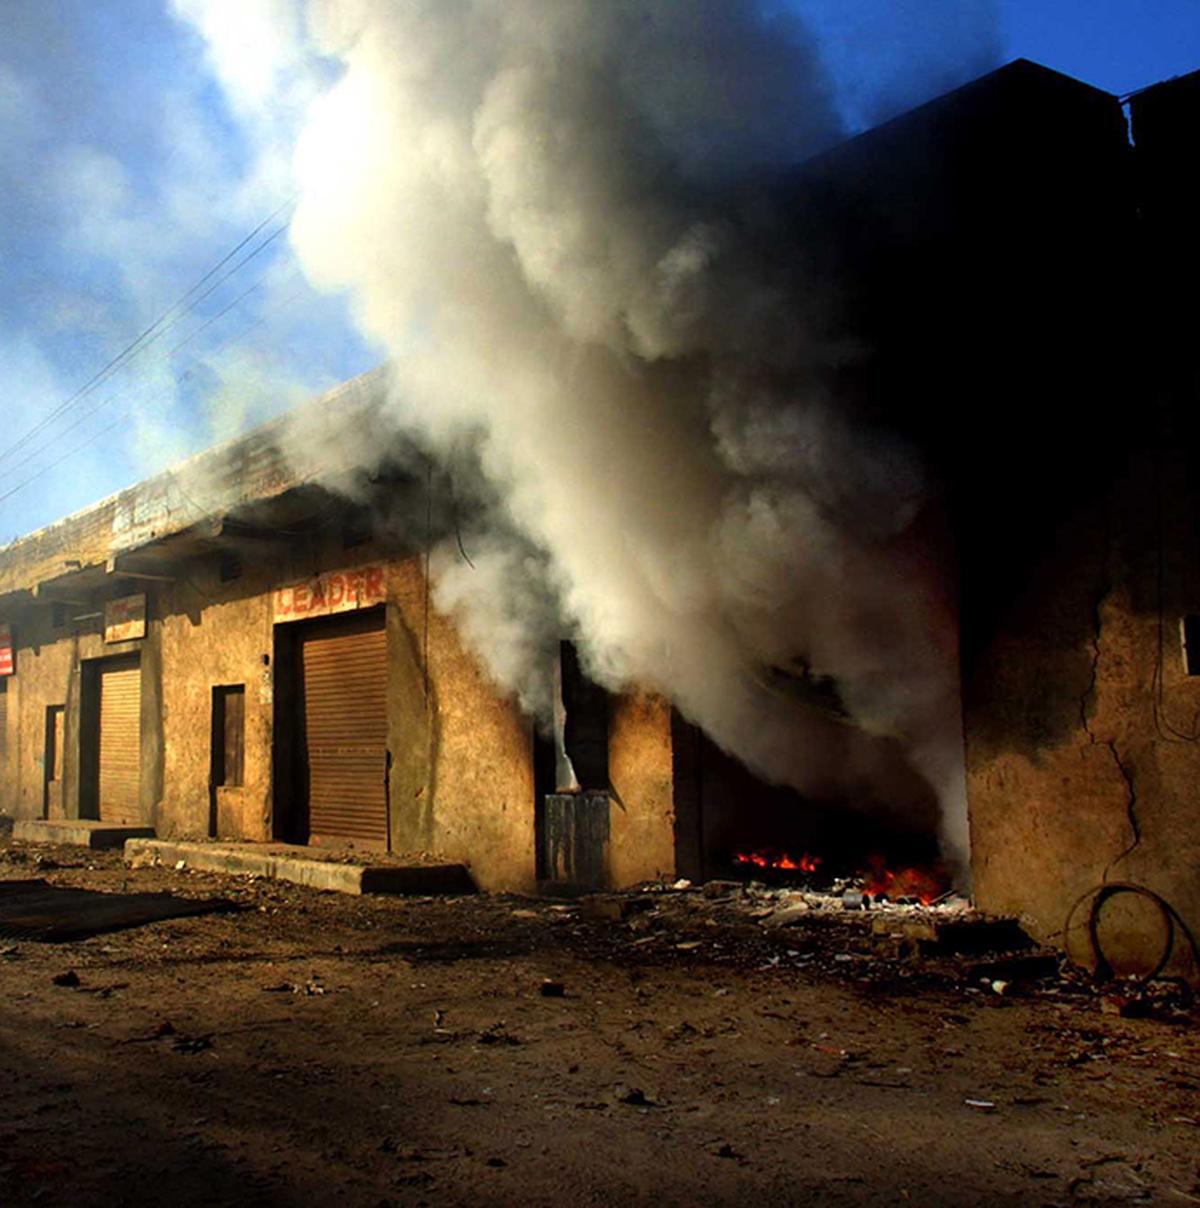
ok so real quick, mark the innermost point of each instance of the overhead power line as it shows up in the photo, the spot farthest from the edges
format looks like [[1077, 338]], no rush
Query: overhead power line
[[220, 314], [112, 398], [70, 453], [124, 413], [186, 303]]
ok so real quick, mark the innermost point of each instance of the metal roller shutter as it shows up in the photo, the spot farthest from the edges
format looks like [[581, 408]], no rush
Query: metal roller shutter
[[345, 717], [120, 743]]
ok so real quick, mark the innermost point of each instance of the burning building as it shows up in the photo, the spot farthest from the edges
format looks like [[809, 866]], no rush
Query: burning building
[[281, 638]]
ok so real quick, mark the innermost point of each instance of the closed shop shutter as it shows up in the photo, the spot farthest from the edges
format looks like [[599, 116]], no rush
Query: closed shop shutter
[[345, 718], [120, 743]]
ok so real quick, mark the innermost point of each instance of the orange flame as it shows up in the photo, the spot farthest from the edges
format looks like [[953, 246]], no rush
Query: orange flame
[[924, 884], [781, 861]]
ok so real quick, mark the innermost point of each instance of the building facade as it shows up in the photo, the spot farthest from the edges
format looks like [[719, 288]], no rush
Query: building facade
[[276, 672], [272, 668]]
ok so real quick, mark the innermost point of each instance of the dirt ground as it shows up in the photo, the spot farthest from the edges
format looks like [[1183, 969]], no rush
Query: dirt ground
[[311, 1048]]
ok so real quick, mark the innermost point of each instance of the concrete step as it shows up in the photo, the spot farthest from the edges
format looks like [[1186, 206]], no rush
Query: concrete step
[[300, 865], [78, 832]]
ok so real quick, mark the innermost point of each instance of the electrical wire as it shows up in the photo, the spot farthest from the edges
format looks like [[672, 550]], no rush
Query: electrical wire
[[66, 456], [164, 323], [462, 549], [222, 313], [82, 419], [125, 411], [1099, 894]]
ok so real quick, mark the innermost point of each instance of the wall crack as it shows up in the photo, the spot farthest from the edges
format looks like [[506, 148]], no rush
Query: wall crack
[[1105, 590], [1131, 803], [1089, 693]]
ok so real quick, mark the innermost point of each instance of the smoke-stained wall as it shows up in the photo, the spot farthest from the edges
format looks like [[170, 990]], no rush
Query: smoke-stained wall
[[643, 844], [561, 221], [1081, 708], [462, 783], [1083, 750]]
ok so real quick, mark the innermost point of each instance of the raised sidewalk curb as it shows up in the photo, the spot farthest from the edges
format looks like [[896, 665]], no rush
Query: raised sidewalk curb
[[78, 832], [282, 862]]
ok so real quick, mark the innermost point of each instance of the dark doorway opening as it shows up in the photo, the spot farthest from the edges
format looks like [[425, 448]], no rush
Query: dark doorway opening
[[52, 761], [730, 823], [227, 745], [572, 783]]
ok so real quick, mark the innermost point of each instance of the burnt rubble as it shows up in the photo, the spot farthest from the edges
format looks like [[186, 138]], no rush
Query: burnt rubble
[[848, 935]]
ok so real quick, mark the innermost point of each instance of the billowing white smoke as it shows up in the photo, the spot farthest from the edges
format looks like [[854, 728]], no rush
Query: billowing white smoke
[[531, 203]]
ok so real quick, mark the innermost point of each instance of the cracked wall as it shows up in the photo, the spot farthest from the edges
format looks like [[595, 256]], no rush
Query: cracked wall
[[1083, 729]]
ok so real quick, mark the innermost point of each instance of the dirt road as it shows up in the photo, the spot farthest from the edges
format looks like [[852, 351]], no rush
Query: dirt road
[[311, 1048]]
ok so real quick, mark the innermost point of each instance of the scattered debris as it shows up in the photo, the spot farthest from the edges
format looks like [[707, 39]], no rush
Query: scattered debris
[[164, 1029], [1017, 969], [702, 1038], [1164, 1001], [497, 1034], [419, 1153], [632, 1095], [69, 979], [787, 916], [723, 889], [192, 1044]]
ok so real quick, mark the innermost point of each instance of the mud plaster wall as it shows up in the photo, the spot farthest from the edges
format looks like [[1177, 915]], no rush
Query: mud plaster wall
[[8, 748], [49, 671], [216, 634], [1083, 732], [642, 819], [43, 677], [461, 776], [460, 782], [474, 802]]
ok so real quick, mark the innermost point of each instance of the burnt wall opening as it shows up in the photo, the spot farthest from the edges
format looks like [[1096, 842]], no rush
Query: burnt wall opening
[[731, 824], [572, 782]]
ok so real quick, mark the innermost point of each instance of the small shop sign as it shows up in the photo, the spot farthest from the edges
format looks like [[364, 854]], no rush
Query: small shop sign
[[7, 663], [333, 592], [125, 619]]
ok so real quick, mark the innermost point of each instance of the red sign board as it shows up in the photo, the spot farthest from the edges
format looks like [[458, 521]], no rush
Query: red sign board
[[7, 663], [335, 591]]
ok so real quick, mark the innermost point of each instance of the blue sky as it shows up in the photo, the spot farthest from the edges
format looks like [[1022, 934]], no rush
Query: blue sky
[[135, 154], [1118, 45]]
